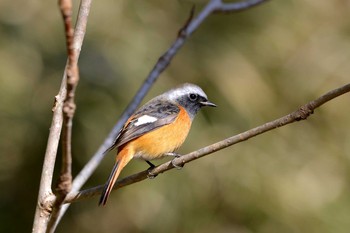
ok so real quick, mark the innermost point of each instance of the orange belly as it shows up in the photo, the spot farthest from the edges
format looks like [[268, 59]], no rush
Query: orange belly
[[167, 138]]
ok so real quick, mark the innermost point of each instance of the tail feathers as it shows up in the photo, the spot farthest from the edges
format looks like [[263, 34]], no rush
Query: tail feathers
[[123, 158], [109, 185]]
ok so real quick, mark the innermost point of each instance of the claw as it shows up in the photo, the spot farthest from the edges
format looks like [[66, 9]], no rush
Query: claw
[[176, 166], [150, 175]]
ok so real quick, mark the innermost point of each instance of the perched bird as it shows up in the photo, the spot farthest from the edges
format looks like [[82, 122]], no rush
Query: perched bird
[[156, 129]]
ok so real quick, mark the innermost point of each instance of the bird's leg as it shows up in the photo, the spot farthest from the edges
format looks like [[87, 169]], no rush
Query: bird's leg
[[151, 166], [176, 155]]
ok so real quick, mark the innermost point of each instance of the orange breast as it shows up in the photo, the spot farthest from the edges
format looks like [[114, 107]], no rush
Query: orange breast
[[167, 138]]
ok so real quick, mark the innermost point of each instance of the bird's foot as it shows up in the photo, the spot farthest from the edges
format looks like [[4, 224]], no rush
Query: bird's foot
[[172, 161], [150, 175]]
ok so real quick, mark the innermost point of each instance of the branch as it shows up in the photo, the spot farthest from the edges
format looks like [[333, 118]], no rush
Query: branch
[[65, 179], [301, 114], [45, 196], [72, 79], [236, 6], [160, 66]]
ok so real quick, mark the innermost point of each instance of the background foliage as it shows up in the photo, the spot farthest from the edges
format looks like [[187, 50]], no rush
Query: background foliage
[[256, 65]]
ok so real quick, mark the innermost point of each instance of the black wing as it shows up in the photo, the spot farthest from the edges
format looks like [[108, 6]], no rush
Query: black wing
[[164, 112]]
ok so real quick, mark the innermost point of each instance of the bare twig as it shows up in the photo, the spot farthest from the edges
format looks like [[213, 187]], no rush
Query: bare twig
[[75, 47], [72, 79], [65, 180], [236, 6], [45, 196], [301, 114]]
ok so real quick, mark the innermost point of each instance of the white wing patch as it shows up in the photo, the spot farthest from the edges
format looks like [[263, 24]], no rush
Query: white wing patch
[[144, 120]]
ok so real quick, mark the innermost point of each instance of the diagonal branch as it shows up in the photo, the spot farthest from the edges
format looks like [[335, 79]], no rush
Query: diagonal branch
[[236, 6], [301, 114]]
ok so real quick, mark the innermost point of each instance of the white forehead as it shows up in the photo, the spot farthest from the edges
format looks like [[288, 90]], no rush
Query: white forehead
[[185, 89]]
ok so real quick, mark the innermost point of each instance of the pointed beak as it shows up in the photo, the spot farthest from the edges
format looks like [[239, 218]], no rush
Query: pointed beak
[[208, 103]]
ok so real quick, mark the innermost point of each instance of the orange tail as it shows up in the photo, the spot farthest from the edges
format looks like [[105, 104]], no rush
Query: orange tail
[[122, 159]]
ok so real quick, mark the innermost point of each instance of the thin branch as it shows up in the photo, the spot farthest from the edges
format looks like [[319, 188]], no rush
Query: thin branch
[[65, 179], [162, 63], [72, 79], [45, 196], [236, 6], [301, 114]]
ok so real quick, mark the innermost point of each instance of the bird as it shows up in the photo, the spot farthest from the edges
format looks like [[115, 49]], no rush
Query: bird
[[156, 129]]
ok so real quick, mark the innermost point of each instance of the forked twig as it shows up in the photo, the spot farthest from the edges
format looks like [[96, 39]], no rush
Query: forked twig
[[46, 198]]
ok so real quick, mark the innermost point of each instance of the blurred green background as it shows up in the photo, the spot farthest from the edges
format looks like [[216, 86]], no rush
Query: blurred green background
[[257, 65]]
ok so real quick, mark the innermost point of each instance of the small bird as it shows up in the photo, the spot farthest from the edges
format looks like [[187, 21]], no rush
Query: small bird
[[156, 129]]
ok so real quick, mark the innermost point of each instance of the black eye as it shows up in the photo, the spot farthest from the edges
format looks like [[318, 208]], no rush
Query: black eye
[[193, 97]]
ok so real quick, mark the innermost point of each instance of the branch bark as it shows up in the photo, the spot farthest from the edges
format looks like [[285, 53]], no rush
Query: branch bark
[[235, 6], [69, 106], [65, 179], [301, 114], [46, 198]]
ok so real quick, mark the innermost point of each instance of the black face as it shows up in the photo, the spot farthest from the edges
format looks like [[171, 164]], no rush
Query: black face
[[201, 100], [197, 99], [192, 102]]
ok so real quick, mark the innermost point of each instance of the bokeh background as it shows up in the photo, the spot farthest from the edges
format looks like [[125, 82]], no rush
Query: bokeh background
[[257, 65]]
